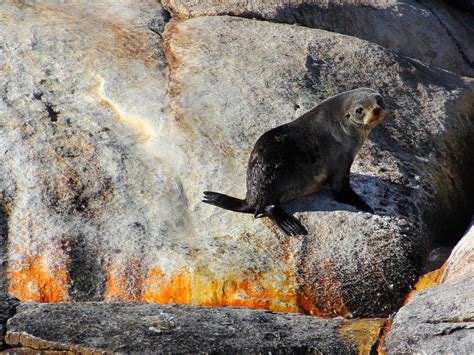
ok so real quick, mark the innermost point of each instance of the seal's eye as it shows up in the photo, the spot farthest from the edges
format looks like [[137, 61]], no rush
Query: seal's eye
[[359, 110]]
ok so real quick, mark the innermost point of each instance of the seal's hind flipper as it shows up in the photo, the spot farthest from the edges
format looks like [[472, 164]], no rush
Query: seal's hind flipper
[[286, 222], [227, 202]]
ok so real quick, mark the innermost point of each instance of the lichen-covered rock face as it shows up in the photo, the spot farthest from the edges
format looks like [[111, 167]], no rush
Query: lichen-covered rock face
[[430, 31], [111, 127], [436, 320]]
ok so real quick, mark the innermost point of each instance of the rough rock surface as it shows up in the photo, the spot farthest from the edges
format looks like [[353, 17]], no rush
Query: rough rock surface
[[146, 328], [8, 305], [83, 91], [104, 161], [427, 30], [461, 260], [437, 320]]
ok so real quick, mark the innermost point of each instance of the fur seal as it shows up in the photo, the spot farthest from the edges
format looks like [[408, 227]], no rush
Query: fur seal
[[296, 159]]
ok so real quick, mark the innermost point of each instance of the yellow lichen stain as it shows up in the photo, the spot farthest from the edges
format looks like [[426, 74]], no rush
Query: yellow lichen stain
[[425, 281], [202, 287], [35, 280], [365, 333], [259, 290], [144, 130], [124, 281]]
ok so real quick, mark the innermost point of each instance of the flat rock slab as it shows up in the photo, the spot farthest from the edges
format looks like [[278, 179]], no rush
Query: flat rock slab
[[437, 320], [141, 327], [438, 34]]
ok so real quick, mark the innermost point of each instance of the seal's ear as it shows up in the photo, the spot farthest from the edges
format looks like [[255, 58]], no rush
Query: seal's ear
[[347, 115]]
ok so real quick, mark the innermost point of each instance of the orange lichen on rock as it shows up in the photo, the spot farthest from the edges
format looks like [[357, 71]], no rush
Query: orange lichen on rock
[[307, 302], [35, 280], [124, 281], [160, 288], [202, 287], [364, 332], [262, 291], [324, 297], [424, 281]]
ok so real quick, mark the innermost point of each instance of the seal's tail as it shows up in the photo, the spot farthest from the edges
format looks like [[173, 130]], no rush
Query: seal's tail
[[227, 202]]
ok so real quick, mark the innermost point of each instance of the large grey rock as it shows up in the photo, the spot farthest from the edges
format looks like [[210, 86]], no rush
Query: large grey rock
[[79, 174], [148, 328], [106, 151], [427, 30], [438, 320], [227, 90]]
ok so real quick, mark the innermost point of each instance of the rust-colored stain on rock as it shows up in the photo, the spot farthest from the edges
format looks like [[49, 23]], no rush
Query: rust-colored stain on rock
[[320, 295], [128, 44], [307, 302], [124, 281], [425, 281], [203, 288], [35, 280], [160, 288], [364, 332], [143, 129]]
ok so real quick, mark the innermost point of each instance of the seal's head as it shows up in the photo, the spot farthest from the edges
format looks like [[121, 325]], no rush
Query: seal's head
[[364, 107]]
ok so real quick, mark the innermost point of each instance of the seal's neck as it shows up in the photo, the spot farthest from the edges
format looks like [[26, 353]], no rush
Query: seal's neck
[[353, 135]]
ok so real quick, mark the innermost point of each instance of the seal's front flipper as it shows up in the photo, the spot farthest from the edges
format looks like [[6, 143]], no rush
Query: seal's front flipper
[[286, 222], [347, 195]]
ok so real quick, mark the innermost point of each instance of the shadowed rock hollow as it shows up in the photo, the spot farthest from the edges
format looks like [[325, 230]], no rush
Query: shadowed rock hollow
[[112, 126]]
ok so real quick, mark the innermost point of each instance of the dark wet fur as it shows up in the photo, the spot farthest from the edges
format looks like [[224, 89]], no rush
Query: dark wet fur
[[226, 202]]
